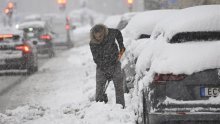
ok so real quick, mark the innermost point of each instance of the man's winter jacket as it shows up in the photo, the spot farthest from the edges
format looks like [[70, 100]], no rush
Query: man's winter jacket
[[105, 53]]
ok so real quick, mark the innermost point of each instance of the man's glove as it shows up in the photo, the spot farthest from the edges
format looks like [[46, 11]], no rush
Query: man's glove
[[121, 53]]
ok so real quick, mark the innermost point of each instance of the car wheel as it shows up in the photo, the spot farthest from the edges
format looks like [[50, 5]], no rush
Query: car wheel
[[70, 45], [32, 70], [145, 115], [51, 54]]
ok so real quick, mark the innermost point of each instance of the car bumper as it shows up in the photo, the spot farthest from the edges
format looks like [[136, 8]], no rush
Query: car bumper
[[44, 49], [15, 63], [185, 118]]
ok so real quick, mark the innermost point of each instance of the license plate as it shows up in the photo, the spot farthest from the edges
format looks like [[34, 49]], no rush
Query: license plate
[[41, 43], [209, 91], [2, 62]]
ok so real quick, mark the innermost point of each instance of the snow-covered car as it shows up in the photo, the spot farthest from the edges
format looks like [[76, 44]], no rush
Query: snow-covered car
[[62, 29], [143, 23], [40, 32], [15, 53], [112, 21], [136, 37], [179, 69]]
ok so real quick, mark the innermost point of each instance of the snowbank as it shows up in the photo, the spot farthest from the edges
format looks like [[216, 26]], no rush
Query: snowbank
[[63, 92]]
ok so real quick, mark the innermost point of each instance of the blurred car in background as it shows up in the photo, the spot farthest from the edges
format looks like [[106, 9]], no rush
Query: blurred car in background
[[41, 33], [16, 53], [80, 23], [180, 69], [61, 27]]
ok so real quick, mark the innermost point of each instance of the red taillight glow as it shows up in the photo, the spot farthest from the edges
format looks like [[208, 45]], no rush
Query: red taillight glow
[[45, 37], [6, 35], [159, 78], [24, 48], [67, 27], [181, 113]]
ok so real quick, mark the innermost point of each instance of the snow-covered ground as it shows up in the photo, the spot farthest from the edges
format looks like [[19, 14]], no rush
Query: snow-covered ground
[[63, 93]]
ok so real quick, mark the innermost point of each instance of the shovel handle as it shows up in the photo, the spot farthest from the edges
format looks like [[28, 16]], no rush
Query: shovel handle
[[106, 85]]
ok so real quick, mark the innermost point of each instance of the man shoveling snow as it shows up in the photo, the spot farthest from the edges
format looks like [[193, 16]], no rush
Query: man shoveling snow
[[107, 58]]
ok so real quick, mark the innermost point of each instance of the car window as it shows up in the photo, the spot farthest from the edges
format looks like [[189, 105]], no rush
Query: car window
[[195, 36], [33, 32], [142, 36]]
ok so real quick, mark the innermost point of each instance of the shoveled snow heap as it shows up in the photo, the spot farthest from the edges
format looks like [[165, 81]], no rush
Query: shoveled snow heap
[[63, 92]]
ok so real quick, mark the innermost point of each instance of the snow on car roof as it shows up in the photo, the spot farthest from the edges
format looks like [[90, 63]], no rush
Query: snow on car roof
[[33, 24], [112, 21], [144, 22], [200, 18], [179, 58], [10, 30]]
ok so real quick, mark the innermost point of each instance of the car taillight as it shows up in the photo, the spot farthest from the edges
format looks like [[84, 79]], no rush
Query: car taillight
[[67, 27], [160, 78], [6, 35], [45, 37], [23, 48]]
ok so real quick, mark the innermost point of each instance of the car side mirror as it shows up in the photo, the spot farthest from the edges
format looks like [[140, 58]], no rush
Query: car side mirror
[[73, 27], [35, 42]]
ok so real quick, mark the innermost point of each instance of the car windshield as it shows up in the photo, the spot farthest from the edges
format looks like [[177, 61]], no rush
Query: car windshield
[[30, 33], [9, 38], [195, 36]]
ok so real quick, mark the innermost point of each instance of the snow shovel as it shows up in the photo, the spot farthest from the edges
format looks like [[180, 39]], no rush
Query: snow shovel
[[105, 97]]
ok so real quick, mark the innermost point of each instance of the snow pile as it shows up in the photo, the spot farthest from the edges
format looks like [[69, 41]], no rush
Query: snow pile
[[191, 19], [144, 23], [112, 21], [212, 101], [22, 114], [64, 91]]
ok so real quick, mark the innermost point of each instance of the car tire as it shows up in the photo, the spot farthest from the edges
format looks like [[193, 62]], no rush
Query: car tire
[[32, 70], [70, 45], [145, 116], [51, 54]]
